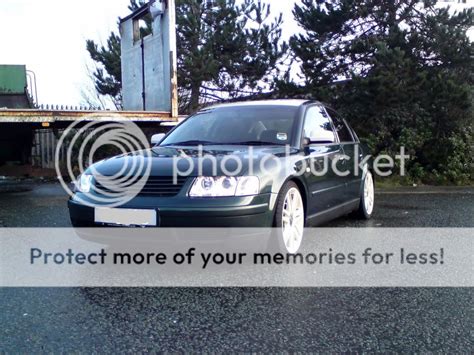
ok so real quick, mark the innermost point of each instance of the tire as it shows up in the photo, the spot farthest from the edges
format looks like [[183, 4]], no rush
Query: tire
[[367, 198], [81, 224], [289, 220]]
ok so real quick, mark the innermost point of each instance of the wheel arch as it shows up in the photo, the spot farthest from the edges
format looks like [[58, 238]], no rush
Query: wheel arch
[[301, 186]]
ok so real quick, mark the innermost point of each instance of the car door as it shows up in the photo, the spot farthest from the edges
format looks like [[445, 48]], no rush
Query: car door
[[325, 187], [352, 152]]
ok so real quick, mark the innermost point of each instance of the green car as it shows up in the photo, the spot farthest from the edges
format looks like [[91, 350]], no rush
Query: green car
[[280, 163]]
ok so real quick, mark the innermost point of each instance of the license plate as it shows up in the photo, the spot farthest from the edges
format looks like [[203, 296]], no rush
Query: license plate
[[126, 217]]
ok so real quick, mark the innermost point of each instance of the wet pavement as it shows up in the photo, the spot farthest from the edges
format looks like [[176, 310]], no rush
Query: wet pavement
[[235, 319]]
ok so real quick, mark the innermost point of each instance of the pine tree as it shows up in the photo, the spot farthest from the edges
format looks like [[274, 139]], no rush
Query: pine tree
[[408, 71], [225, 50]]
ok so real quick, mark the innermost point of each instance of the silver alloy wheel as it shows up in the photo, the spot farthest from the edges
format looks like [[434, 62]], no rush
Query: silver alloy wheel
[[369, 193], [293, 220]]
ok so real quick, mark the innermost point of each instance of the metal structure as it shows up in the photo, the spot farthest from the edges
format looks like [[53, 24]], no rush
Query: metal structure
[[14, 85], [149, 76], [12, 79], [45, 142], [65, 116], [149, 63], [33, 89]]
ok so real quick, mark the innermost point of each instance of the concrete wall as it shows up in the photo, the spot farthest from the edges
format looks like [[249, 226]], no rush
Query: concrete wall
[[157, 66]]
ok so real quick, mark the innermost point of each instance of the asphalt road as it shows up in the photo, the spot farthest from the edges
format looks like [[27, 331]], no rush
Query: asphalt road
[[266, 319]]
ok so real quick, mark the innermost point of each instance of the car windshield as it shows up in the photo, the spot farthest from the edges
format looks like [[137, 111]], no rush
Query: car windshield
[[245, 125]]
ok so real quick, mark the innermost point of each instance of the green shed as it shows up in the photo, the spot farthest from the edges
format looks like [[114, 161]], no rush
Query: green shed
[[12, 79]]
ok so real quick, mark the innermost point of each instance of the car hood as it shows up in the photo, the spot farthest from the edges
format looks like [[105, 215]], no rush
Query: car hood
[[191, 161]]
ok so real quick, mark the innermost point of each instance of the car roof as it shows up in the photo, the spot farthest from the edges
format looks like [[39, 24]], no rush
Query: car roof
[[289, 102]]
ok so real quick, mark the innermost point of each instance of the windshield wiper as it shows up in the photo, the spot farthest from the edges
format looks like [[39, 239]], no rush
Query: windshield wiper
[[190, 143], [254, 143]]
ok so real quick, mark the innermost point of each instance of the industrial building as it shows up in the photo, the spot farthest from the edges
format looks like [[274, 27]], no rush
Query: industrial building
[[29, 132]]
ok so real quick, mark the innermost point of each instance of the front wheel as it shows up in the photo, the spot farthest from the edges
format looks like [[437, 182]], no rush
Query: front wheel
[[289, 220], [367, 200]]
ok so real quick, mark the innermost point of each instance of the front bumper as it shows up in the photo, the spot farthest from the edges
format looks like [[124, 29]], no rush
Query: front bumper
[[247, 212]]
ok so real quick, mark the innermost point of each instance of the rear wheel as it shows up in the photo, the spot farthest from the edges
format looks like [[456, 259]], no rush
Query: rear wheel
[[367, 200], [289, 220]]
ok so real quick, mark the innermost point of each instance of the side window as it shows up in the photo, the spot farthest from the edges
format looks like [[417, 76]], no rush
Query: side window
[[342, 130], [317, 124]]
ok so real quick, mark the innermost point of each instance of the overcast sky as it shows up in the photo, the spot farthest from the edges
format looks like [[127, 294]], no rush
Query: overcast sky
[[49, 37]]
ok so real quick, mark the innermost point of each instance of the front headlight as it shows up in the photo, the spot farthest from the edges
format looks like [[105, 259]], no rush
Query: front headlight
[[84, 183], [225, 186]]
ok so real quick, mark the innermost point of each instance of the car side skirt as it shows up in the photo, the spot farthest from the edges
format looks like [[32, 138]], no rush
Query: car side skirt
[[333, 213]]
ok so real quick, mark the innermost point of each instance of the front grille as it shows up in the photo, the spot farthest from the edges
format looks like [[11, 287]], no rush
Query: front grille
[[158, 186]]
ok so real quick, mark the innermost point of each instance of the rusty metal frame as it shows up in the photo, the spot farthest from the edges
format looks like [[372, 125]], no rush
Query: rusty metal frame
[[40, 116], [173, 58]]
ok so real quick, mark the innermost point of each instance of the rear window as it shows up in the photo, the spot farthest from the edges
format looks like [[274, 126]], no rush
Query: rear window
[[341, 128]]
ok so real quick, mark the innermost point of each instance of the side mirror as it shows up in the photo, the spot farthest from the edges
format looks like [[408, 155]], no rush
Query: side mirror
[[320, 137], [157, 138]]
